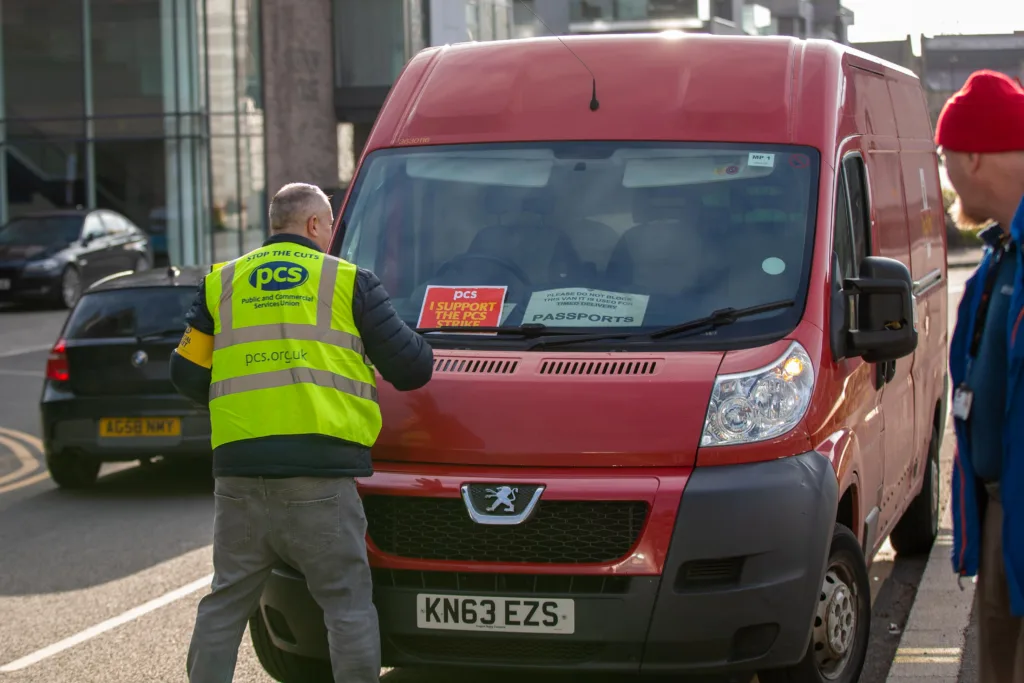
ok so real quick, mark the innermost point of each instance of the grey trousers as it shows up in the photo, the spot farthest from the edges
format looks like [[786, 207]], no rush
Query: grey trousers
[[315, 525], [1000, 634]]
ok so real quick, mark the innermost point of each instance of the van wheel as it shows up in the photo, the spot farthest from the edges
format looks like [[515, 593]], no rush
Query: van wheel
[[916, 531], [284, 666], [842, 620], [73, 471]]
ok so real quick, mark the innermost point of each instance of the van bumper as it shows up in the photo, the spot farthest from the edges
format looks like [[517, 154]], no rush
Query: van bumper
[[737, 592]]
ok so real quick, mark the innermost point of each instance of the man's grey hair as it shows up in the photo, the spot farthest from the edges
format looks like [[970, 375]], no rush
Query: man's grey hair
[[294, 203]]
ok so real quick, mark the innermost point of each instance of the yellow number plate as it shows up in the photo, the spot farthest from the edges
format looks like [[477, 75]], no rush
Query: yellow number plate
[[140, 426]]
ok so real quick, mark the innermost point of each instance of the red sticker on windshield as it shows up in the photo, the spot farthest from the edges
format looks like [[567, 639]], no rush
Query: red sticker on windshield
[[462, 307], [799, 161]]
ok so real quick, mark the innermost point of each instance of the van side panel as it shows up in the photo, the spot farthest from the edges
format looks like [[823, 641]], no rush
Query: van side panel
[[926, 224], [892, 240]]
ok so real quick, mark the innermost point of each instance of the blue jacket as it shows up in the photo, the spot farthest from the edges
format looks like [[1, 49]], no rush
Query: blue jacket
[[967, 493]]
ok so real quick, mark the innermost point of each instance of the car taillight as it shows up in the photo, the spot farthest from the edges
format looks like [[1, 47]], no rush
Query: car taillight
[[57, 363]]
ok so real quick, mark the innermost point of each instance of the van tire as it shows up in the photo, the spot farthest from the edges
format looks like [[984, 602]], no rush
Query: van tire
[[282, 666], [72, 470], [917, 529], [845, 593]]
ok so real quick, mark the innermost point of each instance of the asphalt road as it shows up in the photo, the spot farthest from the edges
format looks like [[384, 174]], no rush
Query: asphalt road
[[71, 562]]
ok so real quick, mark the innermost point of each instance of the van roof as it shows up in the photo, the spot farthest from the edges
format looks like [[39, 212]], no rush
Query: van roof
[[650, 87]]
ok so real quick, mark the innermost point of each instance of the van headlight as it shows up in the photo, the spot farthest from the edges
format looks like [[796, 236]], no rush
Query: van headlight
[[761, 404]]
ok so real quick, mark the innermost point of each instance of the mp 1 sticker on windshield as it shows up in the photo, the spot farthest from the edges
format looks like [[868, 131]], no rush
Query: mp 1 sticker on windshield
[[761, 160], [462, 307], [578, 307]]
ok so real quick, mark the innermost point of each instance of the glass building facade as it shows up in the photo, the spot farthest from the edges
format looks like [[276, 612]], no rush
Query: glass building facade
[[151, 108]]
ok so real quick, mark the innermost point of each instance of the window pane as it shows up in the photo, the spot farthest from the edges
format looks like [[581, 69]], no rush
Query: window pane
[[223, 76], [842, 240], [43, 91], [127, 67], [130, 178], [589, 10], [657, 228], [859, 208], [250, 142], [370, 42], [43, 72]]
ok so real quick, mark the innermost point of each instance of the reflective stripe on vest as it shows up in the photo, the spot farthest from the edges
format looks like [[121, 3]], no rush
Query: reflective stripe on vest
[[321, 332], [288, 358]]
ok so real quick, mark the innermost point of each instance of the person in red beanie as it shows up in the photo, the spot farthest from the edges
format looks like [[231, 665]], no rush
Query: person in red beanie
[[981, 139]]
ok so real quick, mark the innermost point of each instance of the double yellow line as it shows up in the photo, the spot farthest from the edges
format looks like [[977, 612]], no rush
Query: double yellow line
[[22, 445]]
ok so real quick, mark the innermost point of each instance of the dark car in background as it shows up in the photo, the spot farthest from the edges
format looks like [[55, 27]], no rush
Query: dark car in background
[[108, 396], [53, 257]]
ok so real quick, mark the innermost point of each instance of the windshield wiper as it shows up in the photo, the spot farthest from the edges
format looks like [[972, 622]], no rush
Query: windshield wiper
[[724, 316], [529, 330], [720, 318]]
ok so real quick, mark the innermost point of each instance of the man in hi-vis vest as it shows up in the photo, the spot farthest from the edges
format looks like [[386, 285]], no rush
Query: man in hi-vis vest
[[282, 344]]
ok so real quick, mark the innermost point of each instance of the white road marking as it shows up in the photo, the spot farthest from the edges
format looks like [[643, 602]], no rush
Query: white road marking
[[22, 351], [109, 624]]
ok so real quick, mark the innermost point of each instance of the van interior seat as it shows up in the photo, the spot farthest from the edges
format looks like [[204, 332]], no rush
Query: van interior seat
[[523, 233], [662, 253], [593, 240]]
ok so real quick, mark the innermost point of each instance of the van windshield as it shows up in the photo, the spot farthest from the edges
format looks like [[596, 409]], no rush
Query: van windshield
[[586, 237]]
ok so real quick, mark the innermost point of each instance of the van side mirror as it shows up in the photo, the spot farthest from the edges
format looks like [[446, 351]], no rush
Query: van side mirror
[[887, 328]]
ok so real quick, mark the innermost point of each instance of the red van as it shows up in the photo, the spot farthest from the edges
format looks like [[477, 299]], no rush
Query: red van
[[689, 320]]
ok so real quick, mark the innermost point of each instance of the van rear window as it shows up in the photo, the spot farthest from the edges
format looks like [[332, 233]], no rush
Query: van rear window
[[130, 313], [586, 235]]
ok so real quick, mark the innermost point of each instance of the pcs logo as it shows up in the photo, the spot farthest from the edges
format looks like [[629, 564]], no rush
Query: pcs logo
[[278, 275]]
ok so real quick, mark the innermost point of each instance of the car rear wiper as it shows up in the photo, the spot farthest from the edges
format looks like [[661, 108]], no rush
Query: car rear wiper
[[720, 318], [161, 334]]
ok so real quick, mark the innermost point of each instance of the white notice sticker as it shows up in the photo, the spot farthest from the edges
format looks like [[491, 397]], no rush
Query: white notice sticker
[[579, 307], [761, 160]]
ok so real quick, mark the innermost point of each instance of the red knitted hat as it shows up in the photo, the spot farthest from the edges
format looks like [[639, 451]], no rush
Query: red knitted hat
[[986, 116]]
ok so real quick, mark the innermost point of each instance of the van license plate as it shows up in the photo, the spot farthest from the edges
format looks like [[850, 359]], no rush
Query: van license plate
[[508, 615], [112, 427]]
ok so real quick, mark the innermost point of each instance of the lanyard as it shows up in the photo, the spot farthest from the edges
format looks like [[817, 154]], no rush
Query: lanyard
[[986, 298]]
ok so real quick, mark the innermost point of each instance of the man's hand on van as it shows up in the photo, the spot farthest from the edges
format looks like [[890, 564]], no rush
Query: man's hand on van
[[401, 355]]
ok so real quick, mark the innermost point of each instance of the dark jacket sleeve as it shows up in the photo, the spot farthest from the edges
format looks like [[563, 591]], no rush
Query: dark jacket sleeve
[[198, 316], [401, 355], [191, 380]]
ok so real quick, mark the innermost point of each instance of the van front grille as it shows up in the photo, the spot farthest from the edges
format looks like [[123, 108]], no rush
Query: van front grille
[[559, 532]]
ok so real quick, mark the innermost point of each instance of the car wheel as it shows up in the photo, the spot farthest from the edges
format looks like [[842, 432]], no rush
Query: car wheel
[[73, 471], [916, 531], [282, 666], [141, 264], [842, 620], [70, 287]]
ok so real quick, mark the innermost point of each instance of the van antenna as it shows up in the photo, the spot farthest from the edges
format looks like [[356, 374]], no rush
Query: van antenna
[[594, 104]]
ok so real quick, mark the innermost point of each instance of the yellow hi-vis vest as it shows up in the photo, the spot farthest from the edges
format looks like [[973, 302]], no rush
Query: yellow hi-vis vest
[[287, 356]]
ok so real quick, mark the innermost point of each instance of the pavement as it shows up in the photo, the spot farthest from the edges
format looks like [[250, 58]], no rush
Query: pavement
[[103, 585], [963, 258]]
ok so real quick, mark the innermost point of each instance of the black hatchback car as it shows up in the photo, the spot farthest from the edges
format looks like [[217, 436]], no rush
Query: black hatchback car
[[108, 396], [53, 257]]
